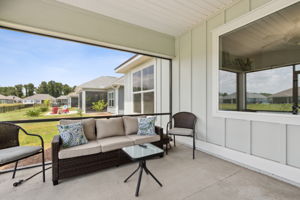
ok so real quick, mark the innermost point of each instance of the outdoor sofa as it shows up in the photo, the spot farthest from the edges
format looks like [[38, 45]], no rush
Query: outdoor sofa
[[106, 138]]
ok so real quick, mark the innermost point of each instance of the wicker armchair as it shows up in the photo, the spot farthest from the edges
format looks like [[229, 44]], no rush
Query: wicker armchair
[[184, 125], [10, 149]]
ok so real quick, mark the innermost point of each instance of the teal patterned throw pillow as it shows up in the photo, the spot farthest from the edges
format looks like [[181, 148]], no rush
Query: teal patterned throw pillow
[[72, 135], [146, 126]]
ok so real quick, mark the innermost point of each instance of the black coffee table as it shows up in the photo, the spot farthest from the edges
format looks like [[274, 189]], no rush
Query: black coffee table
[[141, 154]]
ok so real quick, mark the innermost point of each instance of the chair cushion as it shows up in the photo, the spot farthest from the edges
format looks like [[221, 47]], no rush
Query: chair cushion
[[72, 135], [146, 126], [89, 127], [110, 127], [16, 153], [130, 124], [113, 143], [141, 139], [92, 147], [181, 131]]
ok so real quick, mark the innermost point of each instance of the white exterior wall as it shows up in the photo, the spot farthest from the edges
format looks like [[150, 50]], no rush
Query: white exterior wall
[[192, 91], [161, 88]]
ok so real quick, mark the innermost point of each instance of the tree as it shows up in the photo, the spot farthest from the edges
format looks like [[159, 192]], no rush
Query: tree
[[67, 89], [43, 88], [19, 90], [7, 91], [30, 89]]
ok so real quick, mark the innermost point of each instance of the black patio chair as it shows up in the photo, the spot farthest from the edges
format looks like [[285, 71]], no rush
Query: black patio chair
[[184, 125], [11, 151]]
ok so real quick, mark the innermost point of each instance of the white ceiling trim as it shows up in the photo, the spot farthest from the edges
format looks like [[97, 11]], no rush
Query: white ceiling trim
[[172, 17]]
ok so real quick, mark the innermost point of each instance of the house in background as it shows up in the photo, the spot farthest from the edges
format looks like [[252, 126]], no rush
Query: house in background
[[102, 88], [283, 97], [15, 99], [5, 99], [73, 100], [62, 100], [115, 97], [146, 86], [38, 99]]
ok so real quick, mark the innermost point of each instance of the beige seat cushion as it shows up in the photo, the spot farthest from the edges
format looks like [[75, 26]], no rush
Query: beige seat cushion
[[141, 139], [110, 127], [89, 127], [181, 131], [130, 124], [92, 147], [113, 143]]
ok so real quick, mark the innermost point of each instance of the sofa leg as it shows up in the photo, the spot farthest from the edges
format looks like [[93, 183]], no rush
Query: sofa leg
[[55, 182]]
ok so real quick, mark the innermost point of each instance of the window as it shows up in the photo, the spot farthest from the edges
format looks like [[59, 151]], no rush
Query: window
[[259, 64], [143, 90], [227, 90], [111, 99]]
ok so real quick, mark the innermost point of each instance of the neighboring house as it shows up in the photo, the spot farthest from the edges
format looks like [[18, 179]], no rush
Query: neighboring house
[[15, 99], [5, 99], [115, 97], [146, 85], [38, 99], [62, 100], [73, 99], [252, 98], [282, 97], [95, 90]]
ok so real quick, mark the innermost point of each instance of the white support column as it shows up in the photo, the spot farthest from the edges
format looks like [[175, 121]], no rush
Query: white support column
[[241, 97], [116, 98]]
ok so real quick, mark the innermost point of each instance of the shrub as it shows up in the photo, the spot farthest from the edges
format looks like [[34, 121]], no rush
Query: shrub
[[33, 112], [79, 112], [99, 105], [44, 109]]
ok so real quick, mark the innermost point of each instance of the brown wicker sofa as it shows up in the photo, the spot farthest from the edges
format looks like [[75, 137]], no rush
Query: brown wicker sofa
[[103, 149]]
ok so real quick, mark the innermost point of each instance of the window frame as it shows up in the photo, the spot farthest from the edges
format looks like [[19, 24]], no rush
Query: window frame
[[256, 14], [111, 99], [142, 92]]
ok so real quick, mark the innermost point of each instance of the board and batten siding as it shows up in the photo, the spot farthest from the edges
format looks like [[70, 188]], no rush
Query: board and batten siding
[[192, 91], [162, 94]]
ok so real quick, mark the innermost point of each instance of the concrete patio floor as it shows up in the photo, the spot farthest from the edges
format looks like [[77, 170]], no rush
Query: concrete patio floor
[[205, 178]]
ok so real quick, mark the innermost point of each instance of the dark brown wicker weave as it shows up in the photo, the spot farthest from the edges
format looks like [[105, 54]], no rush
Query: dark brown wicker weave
[[65, 168], [183, 120], [9, 137]]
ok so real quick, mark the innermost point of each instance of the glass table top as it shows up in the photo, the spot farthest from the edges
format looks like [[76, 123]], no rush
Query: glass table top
[[137, 151]]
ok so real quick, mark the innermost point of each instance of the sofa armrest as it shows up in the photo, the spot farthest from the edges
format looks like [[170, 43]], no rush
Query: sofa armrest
[[55, 146], [159, 131]]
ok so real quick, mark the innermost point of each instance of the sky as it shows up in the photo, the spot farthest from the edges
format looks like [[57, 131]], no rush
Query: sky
[[27, 58]]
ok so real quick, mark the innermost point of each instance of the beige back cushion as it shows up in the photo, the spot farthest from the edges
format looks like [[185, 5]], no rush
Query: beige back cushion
[[109, 127], [131, 125], [89, 127]]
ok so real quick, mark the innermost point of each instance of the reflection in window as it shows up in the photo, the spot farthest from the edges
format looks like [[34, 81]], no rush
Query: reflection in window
[[143, 90], [137, 81], [148, 78], [227, 90], [270, 90], [149, 102], [137, 103]]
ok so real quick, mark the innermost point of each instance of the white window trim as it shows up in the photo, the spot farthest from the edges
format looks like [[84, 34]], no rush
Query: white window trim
[[145, 65], [260, 12]]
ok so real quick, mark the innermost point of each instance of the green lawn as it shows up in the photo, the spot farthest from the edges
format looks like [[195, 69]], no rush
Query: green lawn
[[262, 107], [46, 129]]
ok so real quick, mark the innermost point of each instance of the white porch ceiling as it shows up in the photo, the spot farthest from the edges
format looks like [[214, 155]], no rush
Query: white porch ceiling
[[172, 17]]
